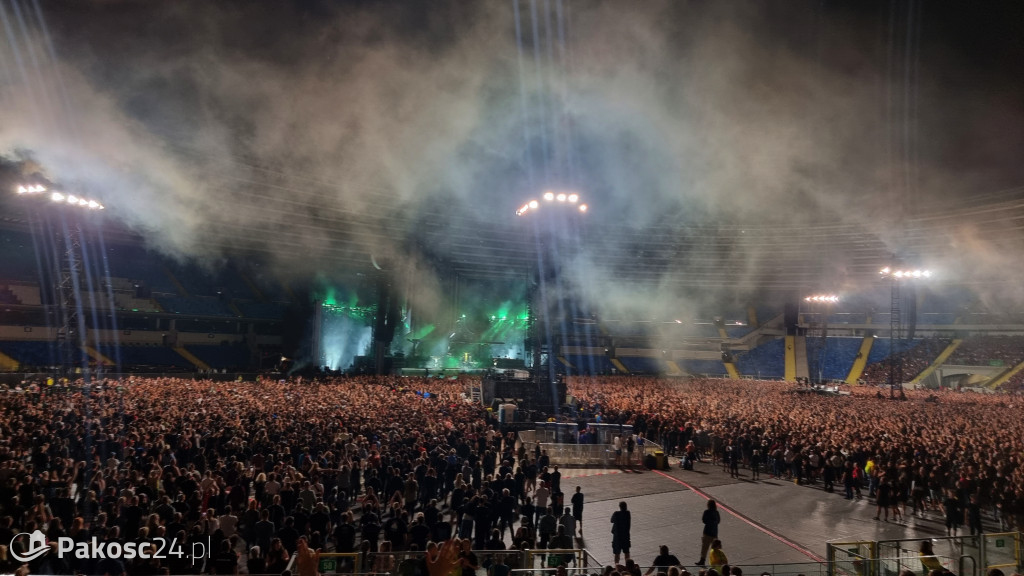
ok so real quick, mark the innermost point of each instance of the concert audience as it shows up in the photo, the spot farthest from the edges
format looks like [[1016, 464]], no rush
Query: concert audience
[[984, 350], [811, 438], [375, 464], [919, 355]]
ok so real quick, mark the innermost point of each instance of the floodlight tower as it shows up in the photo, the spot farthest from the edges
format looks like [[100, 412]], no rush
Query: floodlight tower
[[821, 304], [71, 334], [552, 216], [896, 277]]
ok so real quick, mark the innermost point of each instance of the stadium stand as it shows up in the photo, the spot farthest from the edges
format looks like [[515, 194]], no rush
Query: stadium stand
[[734, 331], [19, 256], [152, 357], [765, 361], [920, 354], [642, 365], [230, 357], [989, 351], [708, 367], [30, 353], [833, 360], [195, 305], [263, 310], [594, 364], [848, 318], [140, 267]]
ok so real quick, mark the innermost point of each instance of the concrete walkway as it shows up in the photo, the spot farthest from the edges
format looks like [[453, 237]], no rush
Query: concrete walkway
[[770, 521]]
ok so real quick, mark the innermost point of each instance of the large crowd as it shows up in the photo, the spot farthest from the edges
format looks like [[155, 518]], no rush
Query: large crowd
[[986, 350], [262, 464], [260, 472], [921, 450], [918, 355]]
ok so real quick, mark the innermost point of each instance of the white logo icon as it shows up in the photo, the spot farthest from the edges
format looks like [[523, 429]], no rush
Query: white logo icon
[[37, 546]]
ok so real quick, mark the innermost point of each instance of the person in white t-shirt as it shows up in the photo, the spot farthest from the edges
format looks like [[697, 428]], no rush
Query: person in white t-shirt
[[228, 523]]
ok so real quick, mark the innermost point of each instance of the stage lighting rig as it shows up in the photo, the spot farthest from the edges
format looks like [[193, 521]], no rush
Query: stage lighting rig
[[553, 198]]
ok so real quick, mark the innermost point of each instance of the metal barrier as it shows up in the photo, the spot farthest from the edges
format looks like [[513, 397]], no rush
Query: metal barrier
[[1002, 550], [340, 563], [580, 559], [572, 454], [602, 455], [580, 454], [805, 568], [963, 555], [854, 558], [956, 554], [512, 558]]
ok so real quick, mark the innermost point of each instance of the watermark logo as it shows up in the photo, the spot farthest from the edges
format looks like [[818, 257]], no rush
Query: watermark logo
[[36, 546], [156, 548]]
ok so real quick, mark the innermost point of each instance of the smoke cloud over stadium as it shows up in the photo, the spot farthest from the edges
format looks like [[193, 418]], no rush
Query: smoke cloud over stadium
[[302, 129]]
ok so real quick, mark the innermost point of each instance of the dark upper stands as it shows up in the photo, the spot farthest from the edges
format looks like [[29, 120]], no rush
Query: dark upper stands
[[989, 351], [698, 367], [832, 359], [153, 356], [590, 364], [262, 310], [195, 305], [643, 365], [919, 354], [765, 361], [19, 256], [231, 356], [734, 331], [31, 353]]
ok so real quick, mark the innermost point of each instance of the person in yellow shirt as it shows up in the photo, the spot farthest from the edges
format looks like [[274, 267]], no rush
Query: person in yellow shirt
[[717, 558], [929, 561], [869, 470]]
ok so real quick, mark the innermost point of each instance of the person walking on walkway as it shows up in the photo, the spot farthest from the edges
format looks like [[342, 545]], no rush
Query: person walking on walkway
[[577, 508], [620, 532], [711, 520]]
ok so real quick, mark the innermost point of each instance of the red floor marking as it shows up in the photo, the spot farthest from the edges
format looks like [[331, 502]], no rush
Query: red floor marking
[[746, 520]]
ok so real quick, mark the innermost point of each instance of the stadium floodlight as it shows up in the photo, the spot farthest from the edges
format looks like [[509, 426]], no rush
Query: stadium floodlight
[[550, 196], [901, 274], [826, 298], [59, 197]]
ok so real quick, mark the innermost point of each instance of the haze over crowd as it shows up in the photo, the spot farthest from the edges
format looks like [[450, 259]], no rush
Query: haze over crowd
[[337, 132]]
